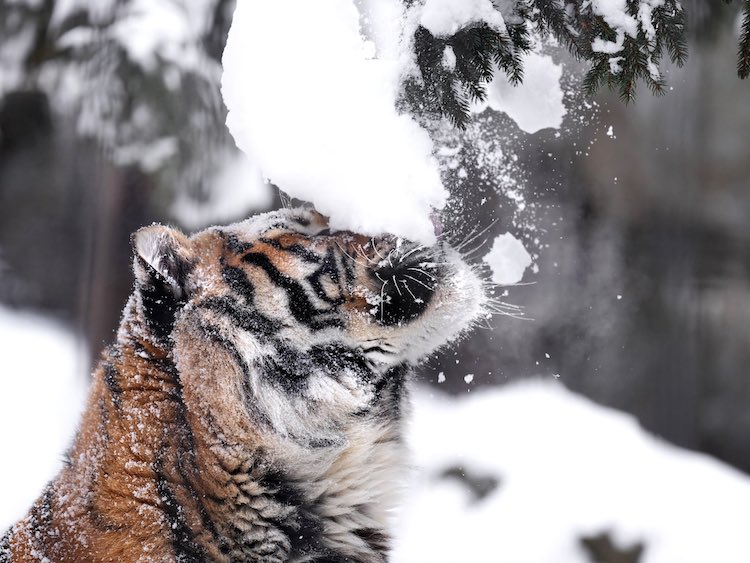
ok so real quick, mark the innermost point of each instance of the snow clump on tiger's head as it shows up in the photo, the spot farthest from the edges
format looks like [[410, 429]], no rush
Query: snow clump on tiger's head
[[301, 327]]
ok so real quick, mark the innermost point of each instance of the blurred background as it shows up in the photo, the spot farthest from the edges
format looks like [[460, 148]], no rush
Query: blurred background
[[111, 118]]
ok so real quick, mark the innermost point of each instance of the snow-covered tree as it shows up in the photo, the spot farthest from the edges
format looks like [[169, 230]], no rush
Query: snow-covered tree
[[623, 41], [142, 75]]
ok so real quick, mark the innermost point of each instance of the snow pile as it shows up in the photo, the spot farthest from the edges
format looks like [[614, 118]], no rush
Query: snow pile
[[536, 103], [565, 468], [335, 138], [42, 388], [446, 17], [508, 259]]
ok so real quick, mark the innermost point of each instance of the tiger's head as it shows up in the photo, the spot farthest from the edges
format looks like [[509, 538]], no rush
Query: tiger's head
[[304, 327]]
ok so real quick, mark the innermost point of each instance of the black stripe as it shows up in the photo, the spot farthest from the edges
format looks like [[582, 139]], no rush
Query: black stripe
[[333, 558], [40, 522], [185, 466], [336, 358], [186, 549], [237, 281], [104, 416], [389, 390], [300, 305], [304, 221], [234, 244], [303, 526], [5, 546], [377, 540], [378, 349], [242, 317], [206, 520], [396, 373], [111, 380], [296, 249], [159, 302], [348, 264], [291, 368], [330, 268]]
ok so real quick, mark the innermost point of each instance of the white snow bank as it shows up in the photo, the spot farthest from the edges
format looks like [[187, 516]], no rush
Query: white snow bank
[[508, 259], [567, 468], [333, 136], [536, 103], [42, 387]]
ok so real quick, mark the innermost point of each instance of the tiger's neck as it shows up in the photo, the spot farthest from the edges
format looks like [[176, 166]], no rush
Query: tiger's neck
[[163, 470], [120, 494]]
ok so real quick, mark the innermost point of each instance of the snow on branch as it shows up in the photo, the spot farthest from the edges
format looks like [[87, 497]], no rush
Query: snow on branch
[[624, 41]]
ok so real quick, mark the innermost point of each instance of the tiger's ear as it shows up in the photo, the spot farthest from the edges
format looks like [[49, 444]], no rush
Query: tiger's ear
[[163, 259]]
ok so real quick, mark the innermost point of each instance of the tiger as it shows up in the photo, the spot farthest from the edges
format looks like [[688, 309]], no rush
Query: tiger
[[252, 406]]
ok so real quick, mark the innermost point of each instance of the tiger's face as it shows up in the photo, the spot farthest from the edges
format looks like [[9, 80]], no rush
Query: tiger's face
[[323, 324]]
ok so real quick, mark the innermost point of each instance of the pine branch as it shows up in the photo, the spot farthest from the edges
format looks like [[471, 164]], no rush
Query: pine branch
[[619, 58], [479, 50]]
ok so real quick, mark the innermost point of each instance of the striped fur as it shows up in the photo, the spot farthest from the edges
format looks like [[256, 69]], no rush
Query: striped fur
[[251, 407]]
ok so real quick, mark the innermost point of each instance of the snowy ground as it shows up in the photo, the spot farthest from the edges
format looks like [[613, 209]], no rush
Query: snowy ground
[[41, 392], [514, 475], [567, 468]]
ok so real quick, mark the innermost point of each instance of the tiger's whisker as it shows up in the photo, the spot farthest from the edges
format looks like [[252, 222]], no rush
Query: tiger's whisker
[[395, 283], [365, 256], [375, 248], [350, 256], [468, 253], [422, 272], [419, 282], [480, 233], [406, 285], [412, 251]]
